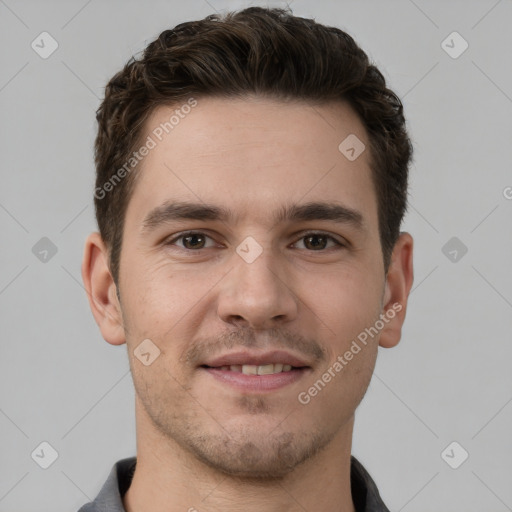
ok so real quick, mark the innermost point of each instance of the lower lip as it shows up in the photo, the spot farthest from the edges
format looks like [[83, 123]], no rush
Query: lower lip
[[244, 382]]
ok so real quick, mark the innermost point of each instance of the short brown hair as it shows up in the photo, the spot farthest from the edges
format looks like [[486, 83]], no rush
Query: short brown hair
[[266, 52]]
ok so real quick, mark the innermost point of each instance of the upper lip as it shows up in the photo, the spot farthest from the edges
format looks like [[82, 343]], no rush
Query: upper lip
[[256, 358]]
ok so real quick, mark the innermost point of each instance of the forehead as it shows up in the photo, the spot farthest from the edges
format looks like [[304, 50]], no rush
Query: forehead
[[253, 155]]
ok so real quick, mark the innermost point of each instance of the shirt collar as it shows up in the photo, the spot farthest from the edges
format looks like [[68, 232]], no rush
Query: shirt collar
[[365, 494]]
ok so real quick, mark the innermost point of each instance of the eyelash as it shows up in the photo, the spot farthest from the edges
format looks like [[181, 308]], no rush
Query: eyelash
[[304, 235]]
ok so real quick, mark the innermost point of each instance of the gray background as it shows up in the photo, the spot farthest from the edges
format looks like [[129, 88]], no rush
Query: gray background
[[448, 380]]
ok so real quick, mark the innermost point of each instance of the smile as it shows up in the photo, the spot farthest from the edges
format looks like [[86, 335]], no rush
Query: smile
[[252, 378], [251, 369]]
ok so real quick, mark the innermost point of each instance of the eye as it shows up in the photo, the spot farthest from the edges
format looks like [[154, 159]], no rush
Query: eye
[[196, 240], [318, 241], [192, 240]]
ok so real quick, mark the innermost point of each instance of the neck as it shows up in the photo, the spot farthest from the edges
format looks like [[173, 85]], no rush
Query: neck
[[169, 478]]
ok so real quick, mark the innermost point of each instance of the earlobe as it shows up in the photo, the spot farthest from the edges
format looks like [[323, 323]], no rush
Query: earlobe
[[101, 290], [399, 281]]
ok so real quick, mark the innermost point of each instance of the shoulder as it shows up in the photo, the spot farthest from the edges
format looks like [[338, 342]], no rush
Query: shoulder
[[110, 495]]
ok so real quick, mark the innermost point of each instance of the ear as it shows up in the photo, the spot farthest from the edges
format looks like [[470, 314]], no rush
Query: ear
[[101, 290], [398, 285]]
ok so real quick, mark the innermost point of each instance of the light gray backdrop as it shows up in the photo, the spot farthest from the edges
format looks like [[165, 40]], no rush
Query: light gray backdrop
[[449, 380]]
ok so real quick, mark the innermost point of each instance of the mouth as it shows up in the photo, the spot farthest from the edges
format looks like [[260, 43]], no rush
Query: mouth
[[257, 373], [273, 361], [252, 369]]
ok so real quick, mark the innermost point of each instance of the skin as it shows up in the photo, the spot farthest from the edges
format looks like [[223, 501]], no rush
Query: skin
[[200, 443]]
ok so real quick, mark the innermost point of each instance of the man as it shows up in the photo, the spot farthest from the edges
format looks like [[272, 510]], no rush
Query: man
[[251, 183]]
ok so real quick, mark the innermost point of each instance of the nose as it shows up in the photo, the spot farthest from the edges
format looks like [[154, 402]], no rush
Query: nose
[[258, 294]]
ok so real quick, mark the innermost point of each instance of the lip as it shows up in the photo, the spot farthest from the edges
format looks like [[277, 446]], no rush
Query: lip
[[257, 359], [256, 383]]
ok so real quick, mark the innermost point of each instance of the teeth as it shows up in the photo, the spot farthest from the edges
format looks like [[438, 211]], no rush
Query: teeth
[[264, 369], [250, 369]]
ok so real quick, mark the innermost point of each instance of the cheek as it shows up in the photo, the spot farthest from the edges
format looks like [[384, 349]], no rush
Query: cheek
[[163, 302], [345, 306], [149, 300], [345, 300]]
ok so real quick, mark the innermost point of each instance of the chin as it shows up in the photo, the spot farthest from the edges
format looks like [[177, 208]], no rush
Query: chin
[[269, 458]]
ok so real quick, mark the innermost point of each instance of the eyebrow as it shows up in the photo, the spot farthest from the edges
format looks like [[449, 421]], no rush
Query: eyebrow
[[176, 211]]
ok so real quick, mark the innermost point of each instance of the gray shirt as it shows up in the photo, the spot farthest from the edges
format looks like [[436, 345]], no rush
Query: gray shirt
[[364, 491]]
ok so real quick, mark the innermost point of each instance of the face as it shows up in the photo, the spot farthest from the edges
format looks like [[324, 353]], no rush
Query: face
[[265, 277]]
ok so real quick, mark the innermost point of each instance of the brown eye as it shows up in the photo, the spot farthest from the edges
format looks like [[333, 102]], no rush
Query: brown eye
[[191, 241], [315, 241], [318, 241]]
